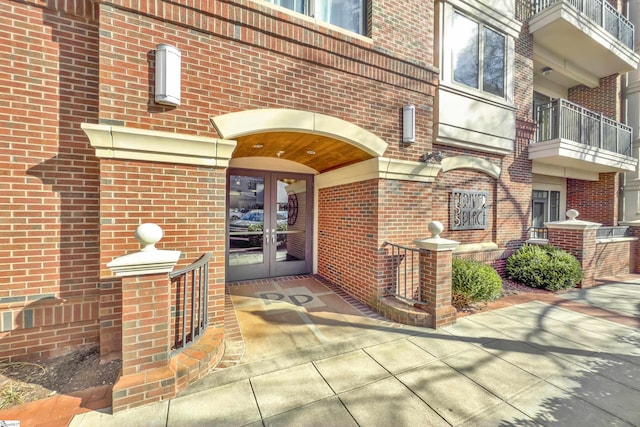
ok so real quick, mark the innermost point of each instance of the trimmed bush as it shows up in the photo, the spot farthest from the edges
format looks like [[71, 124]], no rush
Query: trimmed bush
[[544, 267], [473, 282]]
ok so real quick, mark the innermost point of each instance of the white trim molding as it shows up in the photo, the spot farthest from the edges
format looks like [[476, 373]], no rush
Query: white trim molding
[[474, 163], [236, 125], [119, 142], [379, 167]]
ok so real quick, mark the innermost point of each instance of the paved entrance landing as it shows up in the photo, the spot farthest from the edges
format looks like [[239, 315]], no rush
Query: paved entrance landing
[[537, 363], [277, 317]]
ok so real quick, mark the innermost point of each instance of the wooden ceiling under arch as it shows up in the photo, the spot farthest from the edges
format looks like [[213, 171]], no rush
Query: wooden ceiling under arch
[[315, 151]]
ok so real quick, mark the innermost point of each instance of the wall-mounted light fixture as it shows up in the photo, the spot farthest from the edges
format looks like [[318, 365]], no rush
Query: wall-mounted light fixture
[[546, 71], [435, 157], [409, 123], [168, 59]]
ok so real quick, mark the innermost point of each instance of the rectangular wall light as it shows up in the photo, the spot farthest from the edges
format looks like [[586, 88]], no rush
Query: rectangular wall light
[[168, 59], [409, 123]]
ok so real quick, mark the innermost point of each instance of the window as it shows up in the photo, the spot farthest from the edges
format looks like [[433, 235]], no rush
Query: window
[[478, 56], [347, 14], [546, 207]]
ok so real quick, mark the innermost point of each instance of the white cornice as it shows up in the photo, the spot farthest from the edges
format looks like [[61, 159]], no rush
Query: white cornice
[[119, 142], [379, 167]]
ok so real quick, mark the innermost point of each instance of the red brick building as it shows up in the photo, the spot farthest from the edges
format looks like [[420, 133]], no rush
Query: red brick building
[[294, 118]]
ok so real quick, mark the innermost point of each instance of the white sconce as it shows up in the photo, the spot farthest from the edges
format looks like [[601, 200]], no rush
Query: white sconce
[[409, 123], [168, 60]]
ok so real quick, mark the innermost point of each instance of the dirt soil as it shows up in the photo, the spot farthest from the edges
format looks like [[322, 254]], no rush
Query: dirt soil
[[23, 382], [509, 287]]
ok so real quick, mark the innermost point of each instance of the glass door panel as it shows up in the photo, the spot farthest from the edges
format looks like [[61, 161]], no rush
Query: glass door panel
[[291, 254], [268, 223], [246, 243]]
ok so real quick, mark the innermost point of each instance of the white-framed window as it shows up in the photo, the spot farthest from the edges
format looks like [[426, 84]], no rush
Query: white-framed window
[[479, 55], [545, 207], [347, 14]]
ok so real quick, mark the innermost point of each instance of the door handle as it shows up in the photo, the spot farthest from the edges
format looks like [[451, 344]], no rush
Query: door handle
[[273, 236]]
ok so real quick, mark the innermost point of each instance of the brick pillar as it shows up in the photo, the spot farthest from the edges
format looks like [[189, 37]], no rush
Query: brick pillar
[[146, 313], [436, 255], [634, 231], [579, 239], [146, 316]]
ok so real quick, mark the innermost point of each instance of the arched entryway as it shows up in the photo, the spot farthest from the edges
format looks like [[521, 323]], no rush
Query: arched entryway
[[270, 185]]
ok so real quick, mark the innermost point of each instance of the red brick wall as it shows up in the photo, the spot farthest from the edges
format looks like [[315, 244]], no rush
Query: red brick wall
[[523, 65], [613, 258], [605, 98], [404, 211], [75, 62], [463, 179], [404, 215], [581, 244], [514, 190], [179, 199], [404, 27], [596, 201], [634, 266], [48, 178], [348, 237], [225, 70]]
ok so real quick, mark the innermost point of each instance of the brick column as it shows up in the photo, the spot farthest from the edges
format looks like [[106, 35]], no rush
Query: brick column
[[436, 255], [146, 316], [146, 313], [579, 239]]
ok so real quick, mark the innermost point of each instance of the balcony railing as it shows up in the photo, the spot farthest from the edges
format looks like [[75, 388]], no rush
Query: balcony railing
[[612, 232], [600, 12], [562, 119], [538, 233]]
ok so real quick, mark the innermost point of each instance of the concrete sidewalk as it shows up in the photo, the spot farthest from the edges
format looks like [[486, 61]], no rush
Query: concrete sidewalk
[[620, 296], [530, 364]]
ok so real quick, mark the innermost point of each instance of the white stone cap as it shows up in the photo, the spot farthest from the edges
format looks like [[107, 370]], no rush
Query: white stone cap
[[435, 242], [149, 260], [572, 222]]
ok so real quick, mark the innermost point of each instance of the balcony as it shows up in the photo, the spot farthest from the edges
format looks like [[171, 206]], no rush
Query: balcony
[[573, 138], [584, 40]]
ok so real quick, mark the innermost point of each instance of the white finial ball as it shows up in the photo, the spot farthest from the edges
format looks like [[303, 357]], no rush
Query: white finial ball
[[148, 235], [572, 214], [435, 227]]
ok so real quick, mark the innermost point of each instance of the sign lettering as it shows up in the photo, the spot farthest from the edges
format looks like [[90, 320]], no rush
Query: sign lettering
[[469, 210]]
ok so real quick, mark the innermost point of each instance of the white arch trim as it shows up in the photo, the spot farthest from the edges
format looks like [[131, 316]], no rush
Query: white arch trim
[[235, 125], [468, 162]]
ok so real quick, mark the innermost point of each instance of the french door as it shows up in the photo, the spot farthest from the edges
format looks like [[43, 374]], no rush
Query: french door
[[269, 224]]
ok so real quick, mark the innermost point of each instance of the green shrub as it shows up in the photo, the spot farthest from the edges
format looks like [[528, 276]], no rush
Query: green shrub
[[545, 267], [474, 281]]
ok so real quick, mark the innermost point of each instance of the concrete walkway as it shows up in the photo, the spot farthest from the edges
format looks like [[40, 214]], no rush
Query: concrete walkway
[[619, 296], [528, 364]]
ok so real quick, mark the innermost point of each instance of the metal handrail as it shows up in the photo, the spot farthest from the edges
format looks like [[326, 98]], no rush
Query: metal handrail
[[563, 119], [191, 293], [601, 13], [404, 280]]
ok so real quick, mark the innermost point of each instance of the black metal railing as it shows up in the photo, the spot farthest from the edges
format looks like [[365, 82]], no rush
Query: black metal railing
[[562, 119], [404, 264], [611, 232], [538, 233], [601, 13], [190, 295]]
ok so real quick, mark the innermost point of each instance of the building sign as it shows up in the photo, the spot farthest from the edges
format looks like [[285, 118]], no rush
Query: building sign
[[469, 210]]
